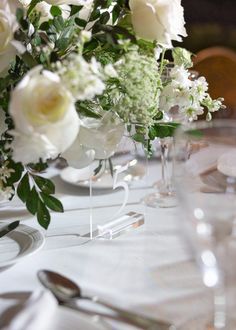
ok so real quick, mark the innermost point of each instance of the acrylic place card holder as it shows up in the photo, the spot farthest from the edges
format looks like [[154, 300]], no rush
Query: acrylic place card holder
[[123, 176], [108, 195]]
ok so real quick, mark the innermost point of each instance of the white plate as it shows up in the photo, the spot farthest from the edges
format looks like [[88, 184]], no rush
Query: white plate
[[19, 243], [80, 178], [14, 210]]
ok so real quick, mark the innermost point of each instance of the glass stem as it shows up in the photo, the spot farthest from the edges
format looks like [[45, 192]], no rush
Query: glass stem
[[219, 291], [164, 154], [166, 169]]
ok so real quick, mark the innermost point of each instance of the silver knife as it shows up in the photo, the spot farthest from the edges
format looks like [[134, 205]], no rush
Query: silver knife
[[8, 228]]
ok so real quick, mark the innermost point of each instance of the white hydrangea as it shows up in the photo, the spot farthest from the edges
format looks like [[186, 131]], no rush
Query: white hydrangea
[[83, 79]]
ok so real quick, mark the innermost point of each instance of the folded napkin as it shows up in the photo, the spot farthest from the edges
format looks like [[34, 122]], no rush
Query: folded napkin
[[35, 313]]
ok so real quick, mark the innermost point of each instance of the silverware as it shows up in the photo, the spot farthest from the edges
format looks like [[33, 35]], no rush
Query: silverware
[[8, 228], [68, 292]]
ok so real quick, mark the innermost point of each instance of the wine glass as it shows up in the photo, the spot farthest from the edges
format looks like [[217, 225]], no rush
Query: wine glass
[[205, 177]]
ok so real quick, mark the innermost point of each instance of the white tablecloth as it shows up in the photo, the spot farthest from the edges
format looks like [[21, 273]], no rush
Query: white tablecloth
[[148, 269]]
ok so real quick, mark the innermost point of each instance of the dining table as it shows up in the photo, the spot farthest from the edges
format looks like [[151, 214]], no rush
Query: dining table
[[149, 270]]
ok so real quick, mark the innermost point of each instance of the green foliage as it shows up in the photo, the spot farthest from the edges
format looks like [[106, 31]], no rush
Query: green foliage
[[52, 202], [43, 215], [162, 130], [44, 44], [23, 189], [46, 185]]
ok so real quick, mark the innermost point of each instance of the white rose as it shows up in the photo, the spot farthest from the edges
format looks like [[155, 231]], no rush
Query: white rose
[[8, 26], [67, 2], [14, 4], [43, 110], [160, 20], [97, 139]]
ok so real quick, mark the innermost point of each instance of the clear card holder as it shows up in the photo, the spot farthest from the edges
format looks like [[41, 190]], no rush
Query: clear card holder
[[116, 190]]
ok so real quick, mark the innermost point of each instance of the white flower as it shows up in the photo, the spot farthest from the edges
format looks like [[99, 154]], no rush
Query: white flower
[[5, 192], [199, 88], [160, 20], [85, 36], [42, 7], [8, 26], [45, 124], [135, 93], [180, 77], [14, 4], [97, 139], [83, 79], [67, 2], [110, 71], [28, 148]]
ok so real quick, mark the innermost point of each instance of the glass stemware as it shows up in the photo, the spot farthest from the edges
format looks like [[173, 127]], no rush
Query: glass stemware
[[205, 176], [165, 195]]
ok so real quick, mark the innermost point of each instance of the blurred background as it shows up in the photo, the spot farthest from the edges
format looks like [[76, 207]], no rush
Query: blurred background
[[210, 23], [211, 28]]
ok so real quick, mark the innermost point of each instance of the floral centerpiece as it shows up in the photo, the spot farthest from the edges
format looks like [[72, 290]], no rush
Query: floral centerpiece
[[73, 73]]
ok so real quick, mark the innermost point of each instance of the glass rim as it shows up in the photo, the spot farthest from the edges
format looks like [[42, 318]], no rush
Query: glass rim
[[201, 124]]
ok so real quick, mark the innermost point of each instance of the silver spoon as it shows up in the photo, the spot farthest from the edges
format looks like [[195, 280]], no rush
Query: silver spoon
[[67, 292]]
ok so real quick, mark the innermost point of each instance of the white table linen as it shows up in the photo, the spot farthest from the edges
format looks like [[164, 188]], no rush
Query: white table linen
[[149, 270]]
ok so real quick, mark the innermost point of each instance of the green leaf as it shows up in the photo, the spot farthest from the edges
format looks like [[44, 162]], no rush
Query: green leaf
[[33, 3], [115, 13], [104, 18], [94, 15], [75, 10], [38, 167], [52, 202], [195, 133], [23, 188], [18, 168], [44, 26], [55, 11], [91, 45], [32, 201], [80, 22], [19, 14], [139, 137], [43, 215], [46, 185], [163, 130], [29, 60]]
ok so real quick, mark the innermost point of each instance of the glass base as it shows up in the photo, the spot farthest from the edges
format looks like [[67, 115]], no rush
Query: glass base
[[157, 200], [117, 227], [158, 185]]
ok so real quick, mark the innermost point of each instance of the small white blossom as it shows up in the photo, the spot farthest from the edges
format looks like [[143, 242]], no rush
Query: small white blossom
[[85, 36], [5, 172], [5, 192], [190, 96], [180, 76], [110, 71], [83, 79], [135, 97]]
